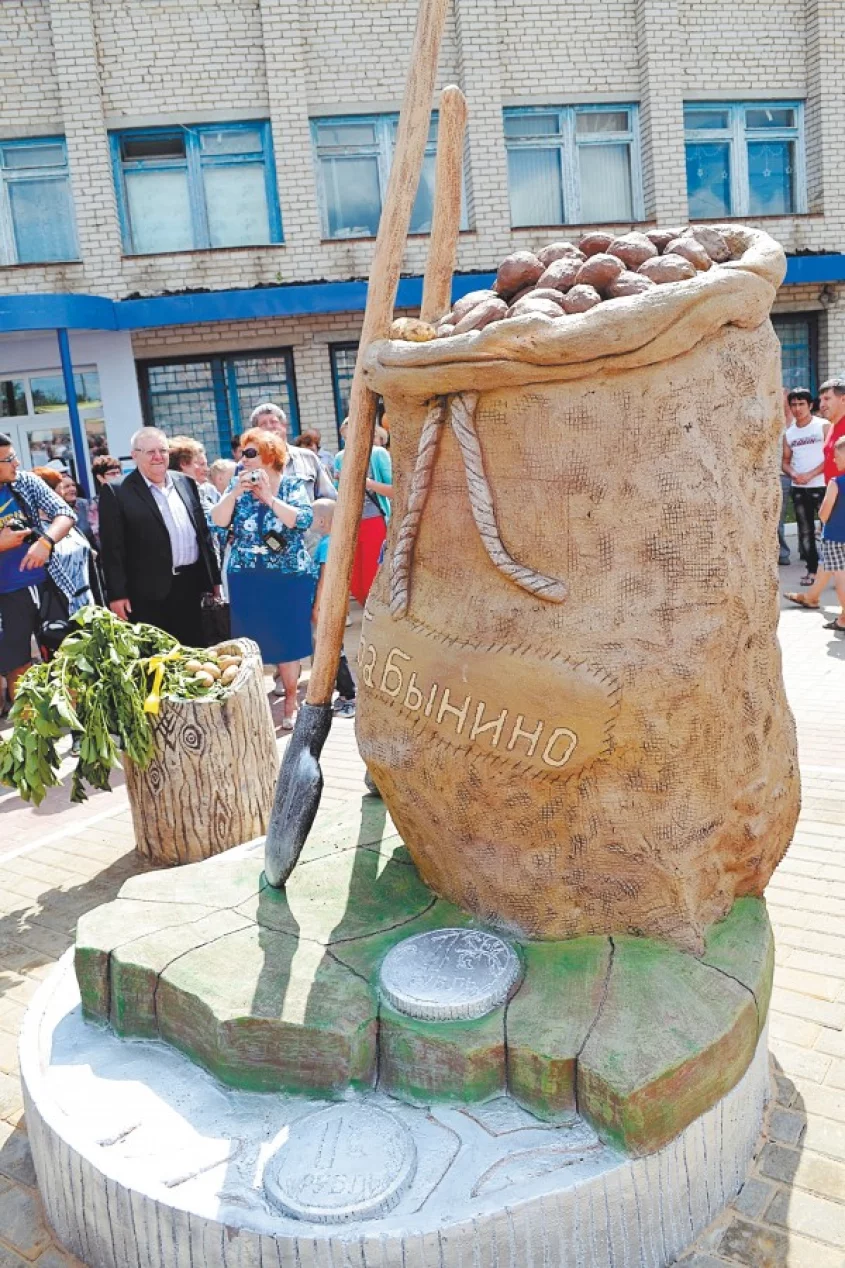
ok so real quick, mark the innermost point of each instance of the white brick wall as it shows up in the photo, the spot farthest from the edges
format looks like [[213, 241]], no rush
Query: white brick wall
[[83, 66]]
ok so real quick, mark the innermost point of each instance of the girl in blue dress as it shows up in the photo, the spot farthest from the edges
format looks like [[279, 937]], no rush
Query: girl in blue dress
[[270, 574]]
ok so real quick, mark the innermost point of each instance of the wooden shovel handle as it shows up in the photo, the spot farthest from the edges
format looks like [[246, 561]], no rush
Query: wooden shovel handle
[[414, 122], [448, 191]]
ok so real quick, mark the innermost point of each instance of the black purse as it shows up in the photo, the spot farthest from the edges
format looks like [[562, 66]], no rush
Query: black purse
[[215, 620]]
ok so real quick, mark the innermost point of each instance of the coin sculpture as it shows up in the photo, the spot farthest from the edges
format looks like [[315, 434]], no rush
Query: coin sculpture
[[348, 1162], [449, 974]]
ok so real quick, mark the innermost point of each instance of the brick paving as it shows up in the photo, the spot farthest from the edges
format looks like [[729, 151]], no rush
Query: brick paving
[[58, 861]]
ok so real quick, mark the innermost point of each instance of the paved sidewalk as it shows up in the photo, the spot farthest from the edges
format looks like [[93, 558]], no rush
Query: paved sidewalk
[[58, 861]]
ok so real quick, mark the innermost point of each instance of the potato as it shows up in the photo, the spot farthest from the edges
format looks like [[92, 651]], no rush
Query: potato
[[559, 251], [668, 268], [692, 251], [530, 306], [633, 249], [545, 292], [204, 678], [445, 329], [466, 303], [580, 299], [714, 243], [561, 274], [595, 243], [229, 674], [191, 666], [412, 330], [628, 283], [662, 237], [599, 271], [480, 316], [516, 271], [209, 667]]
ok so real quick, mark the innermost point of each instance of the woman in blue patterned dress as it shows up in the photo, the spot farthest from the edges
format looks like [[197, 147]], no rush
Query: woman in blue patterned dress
[[270, 573]]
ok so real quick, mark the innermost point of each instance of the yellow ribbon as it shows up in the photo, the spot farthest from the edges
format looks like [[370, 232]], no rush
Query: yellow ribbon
[[152, 704]]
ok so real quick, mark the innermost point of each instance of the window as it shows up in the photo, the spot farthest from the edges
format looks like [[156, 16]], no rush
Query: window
[[744, 160], [184, 189], [36, 211], [211, 398], [343, 357], [34, 411], [353, 167], [573, 165], [798, 334]]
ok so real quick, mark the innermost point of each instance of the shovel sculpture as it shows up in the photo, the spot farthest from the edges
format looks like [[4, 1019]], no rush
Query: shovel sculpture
[[300, 782]]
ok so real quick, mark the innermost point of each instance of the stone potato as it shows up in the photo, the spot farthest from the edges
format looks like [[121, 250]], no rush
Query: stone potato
[[599, 271], [412, 330], [445, 329], [561, 273], [662, 237], [668, 268], [532, 306], [714, 243], [545, 292], [481, 315], [691, 250], [633, 249], [559, 251], [467, 302], [595, 243], [628, 283], [580, 299], [516, 271]]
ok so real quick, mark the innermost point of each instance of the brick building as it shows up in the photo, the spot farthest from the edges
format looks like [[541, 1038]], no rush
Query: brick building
[[189, 188]]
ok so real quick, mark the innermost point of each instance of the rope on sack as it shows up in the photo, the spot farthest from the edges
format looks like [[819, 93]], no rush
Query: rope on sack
[[463, 408], [400, 572]]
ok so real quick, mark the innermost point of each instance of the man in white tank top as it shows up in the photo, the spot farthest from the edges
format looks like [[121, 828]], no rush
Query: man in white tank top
[[803, 462]]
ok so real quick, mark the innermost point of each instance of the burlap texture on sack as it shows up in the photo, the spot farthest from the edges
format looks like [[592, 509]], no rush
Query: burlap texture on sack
[[570, 684]]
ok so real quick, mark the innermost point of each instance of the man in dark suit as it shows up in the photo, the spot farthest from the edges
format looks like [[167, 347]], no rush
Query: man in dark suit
[[156, 545]]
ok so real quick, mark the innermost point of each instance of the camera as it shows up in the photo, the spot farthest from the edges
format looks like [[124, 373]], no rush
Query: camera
[[253, 477], [16, 523]]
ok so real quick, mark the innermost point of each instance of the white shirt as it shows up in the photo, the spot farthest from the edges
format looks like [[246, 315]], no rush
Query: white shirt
[[177, 520], [807, 445]]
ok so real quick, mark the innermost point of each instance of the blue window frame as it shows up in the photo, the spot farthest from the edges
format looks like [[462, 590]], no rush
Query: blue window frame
[[573, 165], [36, 208], [353, 158], [211, 398], [193, 188], [343, 357], [745, 159], [799, 345]]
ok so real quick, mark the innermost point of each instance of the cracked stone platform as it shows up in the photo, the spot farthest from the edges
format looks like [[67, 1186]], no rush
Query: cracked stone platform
[[279, 991]]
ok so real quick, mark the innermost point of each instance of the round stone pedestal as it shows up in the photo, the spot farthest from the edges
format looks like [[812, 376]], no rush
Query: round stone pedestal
[[146, 1161]]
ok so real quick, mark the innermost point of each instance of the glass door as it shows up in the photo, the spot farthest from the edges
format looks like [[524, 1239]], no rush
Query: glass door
[[34, 413]]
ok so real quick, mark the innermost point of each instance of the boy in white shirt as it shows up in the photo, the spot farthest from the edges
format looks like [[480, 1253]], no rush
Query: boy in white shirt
[[803, 462]]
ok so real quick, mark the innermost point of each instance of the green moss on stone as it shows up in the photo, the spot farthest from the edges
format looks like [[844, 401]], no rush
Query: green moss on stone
[[549, 1019], [742, 946], [422, 1061]]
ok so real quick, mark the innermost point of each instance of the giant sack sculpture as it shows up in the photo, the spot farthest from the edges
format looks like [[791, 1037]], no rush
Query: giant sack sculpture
[[571, 695]]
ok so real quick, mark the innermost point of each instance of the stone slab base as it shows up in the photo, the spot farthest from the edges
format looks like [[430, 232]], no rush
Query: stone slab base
[[146, 1161]]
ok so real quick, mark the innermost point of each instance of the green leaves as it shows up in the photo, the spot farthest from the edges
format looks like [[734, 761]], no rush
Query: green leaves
[[95, 686]]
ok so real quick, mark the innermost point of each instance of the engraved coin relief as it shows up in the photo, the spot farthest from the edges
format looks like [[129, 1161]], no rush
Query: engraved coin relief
[[348, 1162], [449, 974]]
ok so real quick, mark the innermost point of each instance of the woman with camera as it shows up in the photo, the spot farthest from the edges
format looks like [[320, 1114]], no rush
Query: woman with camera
[[270, 574]]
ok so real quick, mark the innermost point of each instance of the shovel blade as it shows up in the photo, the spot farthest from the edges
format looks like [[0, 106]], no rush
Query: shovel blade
[[298, 792]]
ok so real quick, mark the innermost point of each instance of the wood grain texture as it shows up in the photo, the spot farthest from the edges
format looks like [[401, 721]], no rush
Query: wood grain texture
[[210, 784], [448, 188], [414, 121]]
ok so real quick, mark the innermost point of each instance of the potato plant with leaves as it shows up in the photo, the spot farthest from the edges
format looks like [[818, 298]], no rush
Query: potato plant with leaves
[[104, 684]]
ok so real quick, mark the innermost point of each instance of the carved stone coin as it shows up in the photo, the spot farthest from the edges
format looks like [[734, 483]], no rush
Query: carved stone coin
[[449, 974], [348, 1162]]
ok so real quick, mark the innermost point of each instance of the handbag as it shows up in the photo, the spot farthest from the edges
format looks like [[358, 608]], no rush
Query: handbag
[[54, 622], [215, 620]]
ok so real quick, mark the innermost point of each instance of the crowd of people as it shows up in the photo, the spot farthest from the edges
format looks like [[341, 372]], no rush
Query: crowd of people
[[177, 538], [813, 475]]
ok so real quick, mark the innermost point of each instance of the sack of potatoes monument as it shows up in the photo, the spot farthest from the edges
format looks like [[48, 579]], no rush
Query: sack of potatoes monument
[[512, 1011]]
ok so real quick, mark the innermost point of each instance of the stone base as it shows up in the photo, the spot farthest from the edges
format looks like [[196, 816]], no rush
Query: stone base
[[146, 1161], [280, 991]]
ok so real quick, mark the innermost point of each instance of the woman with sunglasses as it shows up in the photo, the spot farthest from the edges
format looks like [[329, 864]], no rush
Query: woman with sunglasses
[[269, 573]]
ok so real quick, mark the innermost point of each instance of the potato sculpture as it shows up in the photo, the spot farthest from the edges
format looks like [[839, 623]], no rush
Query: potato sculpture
[[563, 280]]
